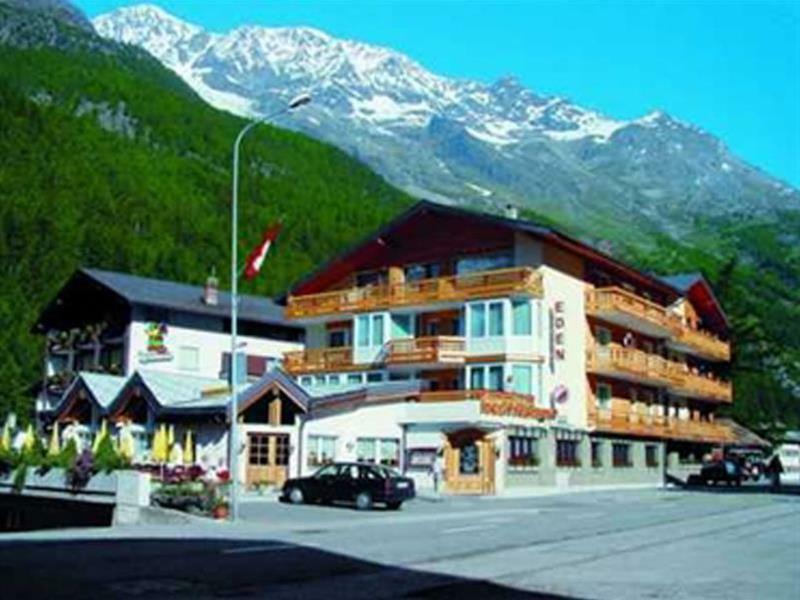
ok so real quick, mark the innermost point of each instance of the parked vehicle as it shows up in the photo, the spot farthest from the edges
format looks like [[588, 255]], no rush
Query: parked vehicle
[[360, 483], [721, 471], [751, 462]]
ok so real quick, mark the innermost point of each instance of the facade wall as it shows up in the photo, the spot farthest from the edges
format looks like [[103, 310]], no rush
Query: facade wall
[[195, 351]]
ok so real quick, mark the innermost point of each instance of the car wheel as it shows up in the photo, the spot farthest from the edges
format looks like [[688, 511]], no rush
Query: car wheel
[[363, 501], [296, 496], [393, 505]]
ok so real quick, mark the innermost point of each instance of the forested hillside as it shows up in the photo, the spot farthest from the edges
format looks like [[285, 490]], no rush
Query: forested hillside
[[107, 159]]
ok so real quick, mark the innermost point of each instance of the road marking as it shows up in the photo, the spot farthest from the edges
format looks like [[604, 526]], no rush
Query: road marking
[[272, 548], [465, 529]]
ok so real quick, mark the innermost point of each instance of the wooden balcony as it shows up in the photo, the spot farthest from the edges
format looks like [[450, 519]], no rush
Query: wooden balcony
[[318, 360], [494, 403], [630, 364], [626, 309], [431, 351], [701, 343], [659, 426], [692, 385], [456, 288]]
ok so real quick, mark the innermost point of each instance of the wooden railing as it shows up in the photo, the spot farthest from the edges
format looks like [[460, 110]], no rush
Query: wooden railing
[[705, 342], [497, 403], [318, 360], [630, 362], [436, 349], [660, 426], [699, 386], [606, 300], [484, 284]]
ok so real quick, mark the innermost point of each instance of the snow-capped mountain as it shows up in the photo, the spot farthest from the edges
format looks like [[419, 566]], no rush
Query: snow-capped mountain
[[459, 140]]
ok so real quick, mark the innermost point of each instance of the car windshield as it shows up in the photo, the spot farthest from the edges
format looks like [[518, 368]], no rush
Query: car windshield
[[326, 471]]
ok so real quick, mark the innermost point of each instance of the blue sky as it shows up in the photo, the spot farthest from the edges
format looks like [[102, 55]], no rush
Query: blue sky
[[730, 67]]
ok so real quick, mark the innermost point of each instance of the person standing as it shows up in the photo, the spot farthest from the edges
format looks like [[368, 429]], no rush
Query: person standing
[[775, 469], [437, 471]]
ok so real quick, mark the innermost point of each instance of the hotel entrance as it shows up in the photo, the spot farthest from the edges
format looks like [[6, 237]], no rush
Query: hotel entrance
[[267, 458], [469, 462]]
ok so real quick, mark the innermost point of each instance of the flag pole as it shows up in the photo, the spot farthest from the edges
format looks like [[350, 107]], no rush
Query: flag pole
[[233, 432]]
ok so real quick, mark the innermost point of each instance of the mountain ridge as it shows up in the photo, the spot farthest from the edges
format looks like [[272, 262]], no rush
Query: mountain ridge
[[460, 140]]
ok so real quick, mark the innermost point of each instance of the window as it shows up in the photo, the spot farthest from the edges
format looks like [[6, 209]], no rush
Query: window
[[476, 378], [603, 336], [188, 358], [319, 380], [468, 462], [567, 453], [338, 338], [522, 376], [362, 327], [523, 321], [389, 452], [281, 450], [401, 326], [523, 452], [621, 455], [321, 450], [471, 264], [370, 278], [496, 377], [306, 381], [496, 318], [365, 449], [354, 378], [603, 396], [422, 271], [333, 380], [376, 377], [384, 451], [377, 330], [477, 321], [651, 455], [597, 454], [258, 455]]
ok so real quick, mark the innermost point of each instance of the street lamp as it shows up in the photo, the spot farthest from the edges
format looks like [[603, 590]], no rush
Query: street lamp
[[233, 453]]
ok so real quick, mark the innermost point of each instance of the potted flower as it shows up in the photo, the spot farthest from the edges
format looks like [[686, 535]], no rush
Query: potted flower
[[219, 510]]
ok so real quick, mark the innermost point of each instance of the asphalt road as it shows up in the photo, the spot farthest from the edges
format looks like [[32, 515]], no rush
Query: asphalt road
[[632, 544]]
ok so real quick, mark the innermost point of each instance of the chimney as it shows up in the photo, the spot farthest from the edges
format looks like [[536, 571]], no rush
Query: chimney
[[211, 290], [512, 212]]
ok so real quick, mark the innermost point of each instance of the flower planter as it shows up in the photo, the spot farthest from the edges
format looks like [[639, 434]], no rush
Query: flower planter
[[220, 512]]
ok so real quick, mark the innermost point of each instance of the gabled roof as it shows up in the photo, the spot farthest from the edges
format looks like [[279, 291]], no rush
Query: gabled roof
[[101, 388], [700, 293], [552, 236], [146, 291], [275, 378]]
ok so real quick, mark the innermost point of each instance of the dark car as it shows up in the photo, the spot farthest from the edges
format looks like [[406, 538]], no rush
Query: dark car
[[722, 471], [361, 483]]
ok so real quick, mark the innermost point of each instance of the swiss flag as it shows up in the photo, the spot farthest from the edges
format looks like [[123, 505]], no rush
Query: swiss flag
[[256, 258]]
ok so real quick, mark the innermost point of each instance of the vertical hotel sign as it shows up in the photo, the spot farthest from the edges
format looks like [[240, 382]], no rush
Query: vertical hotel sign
[[558, 323]]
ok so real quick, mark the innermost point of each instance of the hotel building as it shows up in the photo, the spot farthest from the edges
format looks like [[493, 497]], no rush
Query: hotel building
[[520, 354]]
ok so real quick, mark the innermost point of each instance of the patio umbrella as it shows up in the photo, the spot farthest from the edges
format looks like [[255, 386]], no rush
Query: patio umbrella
[[188, 448], [159, 451], [126, 444], [100, 435], [55, 447], [30, 438], [170, 436], [5, 441]]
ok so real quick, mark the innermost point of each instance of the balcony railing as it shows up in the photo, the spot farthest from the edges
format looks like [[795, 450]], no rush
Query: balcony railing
[[630, 363], [455, 288], [659, 426], [703, 343], [426, 350], [685, 383], [624, 307], [318, 360], [494, 403]]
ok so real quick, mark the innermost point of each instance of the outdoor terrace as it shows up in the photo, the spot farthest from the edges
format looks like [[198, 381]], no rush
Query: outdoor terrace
[[454, 288]]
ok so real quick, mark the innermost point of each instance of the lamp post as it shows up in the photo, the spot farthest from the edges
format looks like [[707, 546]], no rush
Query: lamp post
[[233, 452]]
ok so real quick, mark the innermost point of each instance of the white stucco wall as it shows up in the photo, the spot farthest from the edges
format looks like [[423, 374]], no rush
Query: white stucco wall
[[210, 347]]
